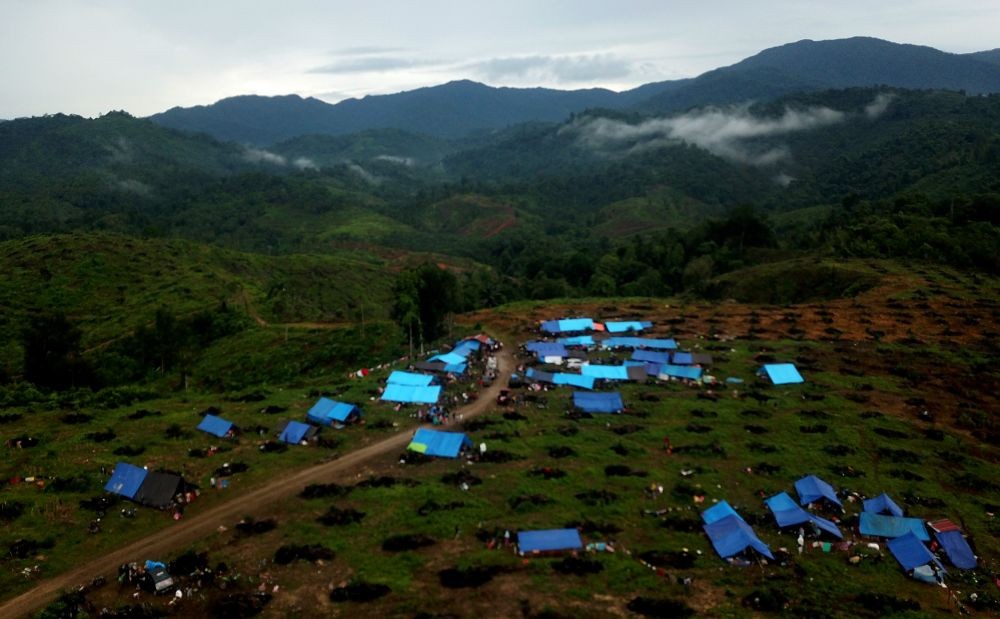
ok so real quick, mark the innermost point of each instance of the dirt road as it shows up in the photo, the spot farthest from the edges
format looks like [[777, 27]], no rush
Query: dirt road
[[202, 525]]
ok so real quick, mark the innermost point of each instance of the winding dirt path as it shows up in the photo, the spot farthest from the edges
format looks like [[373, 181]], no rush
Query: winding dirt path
[[202, 525]]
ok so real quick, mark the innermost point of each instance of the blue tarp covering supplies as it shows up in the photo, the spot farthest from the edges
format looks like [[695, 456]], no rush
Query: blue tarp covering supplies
[[680, 371], [957, 549], [639, 342], [607, 372], [580, 340], [409, 394], [877, 525], [728, 532], [812, 489], [788, 513], [216, 426], [437, 443], [598, 402], [783, 373], [882, 504], [126, 479], [294, 432], [626, 326], [568, 325], [651, 356], [911, 552], [546, 349], [551, 540], [327, 411], [410, 379]]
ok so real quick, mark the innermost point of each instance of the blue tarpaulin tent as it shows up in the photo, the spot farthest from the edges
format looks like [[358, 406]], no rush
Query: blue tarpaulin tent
[[720, 510], [551, 540], [294, 432], [448, 357], [680, 371], [639, 342], [568, 325], [651, 356], [783, 373], [682, 358], [126, 479], [626, 325], [812, 489], [455, 368], [607, 372], [547, 349], [574, 380], [580, 340], [410, 379], [411, 394], [957, 549], [328, 412], [787, 513], [882, 504], [216, 426], [598, 402], [437, 443], [877, 525], [731, 536], [466, 348], [911, 552]]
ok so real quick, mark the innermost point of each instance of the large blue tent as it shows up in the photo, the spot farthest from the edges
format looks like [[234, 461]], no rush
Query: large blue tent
[[812, 489], [720, 510], [216, 426], [911, 552], [574, 380], [651, 356], [549, 540], [448, 357], [607, 372], [957, 549], [783, 373], [598, 402], [578, 340], [327, 412], [625, 326], [731, 535], [294, 432], [568, 325], [682, 358], [639, 342], [466, 348], [410, 379], [877, 525], [437, 443], [882, 504], [787, 513], [687, 372], [409, 394], [546, 349], [126, 479]]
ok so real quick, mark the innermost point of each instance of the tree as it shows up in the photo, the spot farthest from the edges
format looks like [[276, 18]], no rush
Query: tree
[[52, 353]]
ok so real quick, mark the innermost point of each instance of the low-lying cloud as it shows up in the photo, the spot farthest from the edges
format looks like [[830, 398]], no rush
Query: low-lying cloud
[[559, 69], [878, 107], [259, 155]]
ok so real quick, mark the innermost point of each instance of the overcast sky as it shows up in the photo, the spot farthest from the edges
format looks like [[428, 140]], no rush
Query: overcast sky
[[144, 56]]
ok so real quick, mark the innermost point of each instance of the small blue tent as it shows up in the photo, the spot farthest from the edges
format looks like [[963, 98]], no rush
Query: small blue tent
[[328, 412], [877, 525], [579, 340], [126, 479], [437, 443], [639, 342], [409, 379], [957, 549], [731, 536], [607, 372], [651, 356], [682, 358], [574, 380], [216, 426], [568, 325], [408, 394], [911, 552], [812, 489], [550, 540], [598, 402], [882, 504], [788, 514], [295, 432], [783, 373], [547, 349], [720, 510], [626, 325], [679, 371]]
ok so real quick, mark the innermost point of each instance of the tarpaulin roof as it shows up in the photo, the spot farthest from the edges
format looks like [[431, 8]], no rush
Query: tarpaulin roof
[[680, 371], [549, 540], [957, 549], [158, 489], [812, 489], [731, 536], [546, 349], [626, 325], [911, 552], [437, 443], [294, 432], [540, 376], [466, 347], [568, 325], [327, 411], [455, 368], [788, 513], [411, 394], [598, 402], [720, 510], [409, 378], [579, 340], [878, 525], [607, 372], [430, 366], [883, 504], [574, 380], [448, 357], [682, 358], [126, 479], [216, 426], [651, 356], [783, 373], [639, 342]]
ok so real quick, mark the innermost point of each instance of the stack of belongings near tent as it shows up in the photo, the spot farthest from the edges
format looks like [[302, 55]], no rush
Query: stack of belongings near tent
[[781, 373], [411, 388], [161, 490], [296, 432], [439, 444], [598, 402], [327, 412], [731, 536], [217, 426], [548, 542]]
